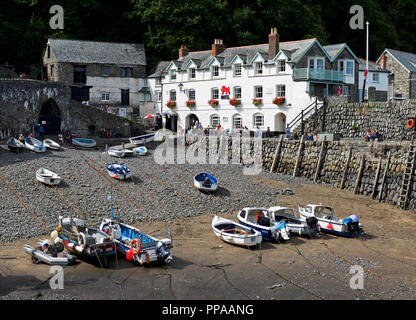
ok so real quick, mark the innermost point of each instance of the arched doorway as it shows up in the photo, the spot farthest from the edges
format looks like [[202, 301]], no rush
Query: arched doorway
[[280, 122], [50, 115], [190, 120]]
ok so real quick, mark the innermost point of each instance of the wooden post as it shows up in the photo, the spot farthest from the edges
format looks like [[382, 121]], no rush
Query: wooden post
[[386, 169], [376, 179], [277, 154], [360, 175], [299, 157], [320, 161], [344, 175]]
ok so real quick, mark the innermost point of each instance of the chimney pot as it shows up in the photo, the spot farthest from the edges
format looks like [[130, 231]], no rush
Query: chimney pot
[[217, 47]]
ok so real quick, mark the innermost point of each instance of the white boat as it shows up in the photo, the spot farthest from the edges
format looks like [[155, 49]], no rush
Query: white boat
[[50, 144], [296, 226], [140, 151], [119, 171], [235, 233], [15, 145], [34, 145], [115, 153], [205, 182], [329, 223], [128, 153], [260, 219], [84, 143], [48, 177], [55, 254], [142, 139]]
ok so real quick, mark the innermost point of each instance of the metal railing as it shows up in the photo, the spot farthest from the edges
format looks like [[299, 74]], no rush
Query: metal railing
[[318, 74], [303, 115]]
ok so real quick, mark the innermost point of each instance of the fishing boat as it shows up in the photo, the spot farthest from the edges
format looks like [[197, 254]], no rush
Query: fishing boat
[[235, 233], [15, 145], [119, 171], [140, 151], [205, 182], [115, 153], [53, 255], [47, 177], [84, 241], [142, 139], [329, 223], [84, 143], [50, 144], [260, 219], [296, 226], [34, 145]]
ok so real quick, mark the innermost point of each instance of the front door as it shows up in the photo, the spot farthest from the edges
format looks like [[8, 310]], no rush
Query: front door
[[125, 97]]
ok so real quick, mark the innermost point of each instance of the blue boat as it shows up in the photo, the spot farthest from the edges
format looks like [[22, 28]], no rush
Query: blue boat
[[205, 182], [84, 143], [119, 171]]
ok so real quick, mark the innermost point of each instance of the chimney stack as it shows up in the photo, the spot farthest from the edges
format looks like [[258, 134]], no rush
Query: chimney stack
[[217, 47], [183, 51], [274, 38], [383, 61]]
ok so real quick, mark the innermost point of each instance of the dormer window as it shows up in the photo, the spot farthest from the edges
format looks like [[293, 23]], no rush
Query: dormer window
[[237, 70], [192, 73], [281, 66], [316, 63], [215, 71], [259, 67], [173, 75], [158, 81]]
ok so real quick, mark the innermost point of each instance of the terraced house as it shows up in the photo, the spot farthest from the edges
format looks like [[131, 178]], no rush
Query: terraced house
[[265, 85], [103, 73]]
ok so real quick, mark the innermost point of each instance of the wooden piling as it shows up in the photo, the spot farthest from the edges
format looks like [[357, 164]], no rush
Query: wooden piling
[[386, 169], [373, 193], [347, 164], [320, 161], [277, 154], [299, 157], [360, 175]]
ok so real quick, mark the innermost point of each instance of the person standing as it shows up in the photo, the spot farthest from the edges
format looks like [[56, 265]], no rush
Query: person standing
[[41, 132]]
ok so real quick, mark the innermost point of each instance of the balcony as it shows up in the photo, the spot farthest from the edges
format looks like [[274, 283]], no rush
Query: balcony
[[306, 74]]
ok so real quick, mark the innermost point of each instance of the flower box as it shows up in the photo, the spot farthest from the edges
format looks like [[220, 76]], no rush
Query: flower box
[[257, 102], [213, 102], [235, 102], [171, 104], [279, 100], [190, 103]]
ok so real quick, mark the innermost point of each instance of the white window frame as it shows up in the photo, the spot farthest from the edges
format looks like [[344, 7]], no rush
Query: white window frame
[[279, 91], [313, 63], [189, 94], [258, 92], [172, 75], [158, 95], [378, 77], [105, 96], [192, 73], [158, 82], [255, 123], [352, 68], [281, 65], [215, 71], [240, 120], [217, 122], [215, 93], [239, 66], [259, 68], [172, 91], [235, 89]]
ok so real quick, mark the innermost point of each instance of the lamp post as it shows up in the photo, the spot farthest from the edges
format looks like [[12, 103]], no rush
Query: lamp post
[[180, 85]]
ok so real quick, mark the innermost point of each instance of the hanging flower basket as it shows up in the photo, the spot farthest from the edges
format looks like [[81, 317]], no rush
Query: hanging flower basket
[[257, 102], [235, 102], [171, 104], [213, 102], [190, 103], [279, 100]]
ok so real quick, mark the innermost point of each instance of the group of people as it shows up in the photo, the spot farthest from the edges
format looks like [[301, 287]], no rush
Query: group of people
[[371, 136], [108, 133]]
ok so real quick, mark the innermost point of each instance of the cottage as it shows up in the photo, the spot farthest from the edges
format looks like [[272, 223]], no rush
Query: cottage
[[376, 87], [265, 85]]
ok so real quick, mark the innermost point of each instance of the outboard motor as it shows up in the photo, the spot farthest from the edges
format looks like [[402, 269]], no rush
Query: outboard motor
[[161, 251], [312, 222], [282, 229]]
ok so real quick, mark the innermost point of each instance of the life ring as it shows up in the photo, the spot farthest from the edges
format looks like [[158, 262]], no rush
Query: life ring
[[81, 240], [139, 246], [410, 123]]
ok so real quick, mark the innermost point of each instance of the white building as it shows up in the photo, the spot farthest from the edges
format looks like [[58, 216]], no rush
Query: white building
[[297, 72], [377, 81]]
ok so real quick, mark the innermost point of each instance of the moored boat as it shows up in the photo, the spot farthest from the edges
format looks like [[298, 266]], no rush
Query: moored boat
[[115, 153], [119, 171], [50, 144], [142, 139], [51, 254], [141, 151], [47, 177], [84, 142], [15, 145], [205, 182], [34, 145], [235, 233]]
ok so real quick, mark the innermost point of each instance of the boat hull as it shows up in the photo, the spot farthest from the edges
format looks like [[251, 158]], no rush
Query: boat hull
[[142, 139], [50, 144], [84, 143], [52, 179], [67, 259], [245, 240], [34, 145]]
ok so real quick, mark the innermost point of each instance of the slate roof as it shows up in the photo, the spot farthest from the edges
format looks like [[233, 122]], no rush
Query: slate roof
[[81, 51], [333, 49], [372, 66], [407, 59], [157, 70]]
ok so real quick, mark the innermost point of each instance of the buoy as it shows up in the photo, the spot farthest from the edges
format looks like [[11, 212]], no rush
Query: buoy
[[129, 255]]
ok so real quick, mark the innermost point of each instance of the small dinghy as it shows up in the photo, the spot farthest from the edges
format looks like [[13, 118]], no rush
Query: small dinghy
[[310, 227], [329, 223], [84, 143], [48, 177], [260, 219], [84, 241], [128, 153], [115, 153], [15, 145], [205, 182], [50, 254], [137, 245], [140, 151], [119, 171], [235, 233], [50, 144], [34, 145], [142, 139]]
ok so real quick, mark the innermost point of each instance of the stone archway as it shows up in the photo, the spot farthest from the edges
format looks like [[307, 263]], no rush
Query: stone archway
[[190, 119], [280, 122], [50, 116]]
